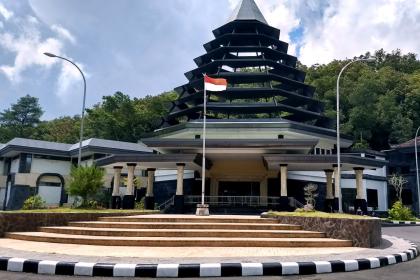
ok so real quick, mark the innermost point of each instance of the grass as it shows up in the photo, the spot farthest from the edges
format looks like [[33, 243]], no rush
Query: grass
[[318, 214], [76, 210]]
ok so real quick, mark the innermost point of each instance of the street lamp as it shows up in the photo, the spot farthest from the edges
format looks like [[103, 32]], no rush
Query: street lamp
[[417, 168], [79, 159], [340, 204]]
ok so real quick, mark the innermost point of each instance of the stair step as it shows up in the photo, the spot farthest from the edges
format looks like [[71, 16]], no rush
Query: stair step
[[177, 225], [178, 241], [189, 219], [227, 233]]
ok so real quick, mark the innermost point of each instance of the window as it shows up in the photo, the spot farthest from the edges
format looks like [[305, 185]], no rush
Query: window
[[317, 151], [322, 151], [25, 163], [280, 136], [328, 152], [197, 136]]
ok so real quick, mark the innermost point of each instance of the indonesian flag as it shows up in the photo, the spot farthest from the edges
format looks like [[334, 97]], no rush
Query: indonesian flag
[[212, 84]]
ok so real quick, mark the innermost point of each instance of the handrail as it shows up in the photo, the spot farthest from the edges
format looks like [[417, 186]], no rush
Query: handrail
[[234, 200], [165, 205], [295, 203]]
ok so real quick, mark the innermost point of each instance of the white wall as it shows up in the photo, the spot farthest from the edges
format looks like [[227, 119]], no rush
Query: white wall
[[51, 194], [1, 167], [14, 166], [2, 196], [40, 165], [168, 175]]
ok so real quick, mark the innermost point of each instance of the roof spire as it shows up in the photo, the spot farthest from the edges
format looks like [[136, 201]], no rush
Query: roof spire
[[247, 10]]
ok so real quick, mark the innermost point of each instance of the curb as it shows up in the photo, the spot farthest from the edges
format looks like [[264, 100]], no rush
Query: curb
[[402, 223], [47, 267]]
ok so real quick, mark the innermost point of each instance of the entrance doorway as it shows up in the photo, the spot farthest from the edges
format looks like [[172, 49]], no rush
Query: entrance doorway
[[227, 188]]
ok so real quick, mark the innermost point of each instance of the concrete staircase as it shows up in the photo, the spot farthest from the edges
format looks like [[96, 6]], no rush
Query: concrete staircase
[[182, 230]]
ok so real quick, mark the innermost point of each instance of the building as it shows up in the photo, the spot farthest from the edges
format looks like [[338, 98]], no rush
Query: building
[[29, 167], [267, 136], [402, 162]]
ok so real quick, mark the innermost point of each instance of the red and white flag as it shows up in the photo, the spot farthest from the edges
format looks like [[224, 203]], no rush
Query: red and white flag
[[212, 84]]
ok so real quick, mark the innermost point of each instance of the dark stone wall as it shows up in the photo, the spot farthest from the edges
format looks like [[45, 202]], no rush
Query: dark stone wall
[[18, 195], [362, 232], [10, 222]]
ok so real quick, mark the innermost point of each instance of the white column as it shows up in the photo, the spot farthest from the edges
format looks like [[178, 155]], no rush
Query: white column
[[150, 180], [180, 179], [263, 191], [329, 181], [130, 178], [337, 187], [117, 181], [283, 179], [214, 187], [360, 187]]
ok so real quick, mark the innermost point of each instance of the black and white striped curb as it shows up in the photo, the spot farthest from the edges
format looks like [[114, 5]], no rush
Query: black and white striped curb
[[403, 222], [201, 270]]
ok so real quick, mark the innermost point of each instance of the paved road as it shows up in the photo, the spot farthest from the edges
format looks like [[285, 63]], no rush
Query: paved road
[[407, 271]]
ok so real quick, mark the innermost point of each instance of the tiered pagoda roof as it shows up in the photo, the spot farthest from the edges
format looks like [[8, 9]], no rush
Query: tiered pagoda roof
[[263, 81]]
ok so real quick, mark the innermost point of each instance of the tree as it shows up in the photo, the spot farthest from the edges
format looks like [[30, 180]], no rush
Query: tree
[[311, 194], [398, 182], [21, 119], [62, 129], [85, 182], [121, 118]]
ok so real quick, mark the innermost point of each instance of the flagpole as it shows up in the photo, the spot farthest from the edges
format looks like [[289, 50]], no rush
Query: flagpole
[[203, 165]]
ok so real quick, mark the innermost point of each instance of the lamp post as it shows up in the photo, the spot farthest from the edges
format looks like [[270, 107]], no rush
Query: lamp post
[[79, 159], [417, 168], [340, 204]]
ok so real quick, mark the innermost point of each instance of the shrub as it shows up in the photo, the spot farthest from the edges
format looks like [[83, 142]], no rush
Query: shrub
[[85, 182], [34, 202], [140, 204], [400, 212]]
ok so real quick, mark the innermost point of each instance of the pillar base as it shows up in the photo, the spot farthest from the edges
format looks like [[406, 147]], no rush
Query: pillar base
[[202, 210], [329, 205], [128, 202], [335, 204], [149, 203], [116, 202], [362, 205], [140, 193], [284, 204], [179, 204]]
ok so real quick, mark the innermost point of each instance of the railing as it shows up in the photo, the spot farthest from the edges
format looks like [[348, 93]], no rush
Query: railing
[[250, 201], [295, 203], [164, 206]]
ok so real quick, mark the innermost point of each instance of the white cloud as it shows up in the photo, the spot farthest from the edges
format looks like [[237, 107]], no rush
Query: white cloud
[[350, 28], [5, 12], [28, 47], [63, 33], [68, 79], [343, 29], [28, 44]]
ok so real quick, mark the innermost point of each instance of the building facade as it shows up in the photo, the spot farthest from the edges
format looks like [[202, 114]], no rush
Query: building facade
[[267, 136], [402, 162], [29, 167]]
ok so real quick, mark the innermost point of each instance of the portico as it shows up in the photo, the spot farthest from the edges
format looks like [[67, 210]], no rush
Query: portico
[[241, 172]]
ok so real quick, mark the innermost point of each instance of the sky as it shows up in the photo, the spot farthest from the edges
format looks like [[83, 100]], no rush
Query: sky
[[143, 47]]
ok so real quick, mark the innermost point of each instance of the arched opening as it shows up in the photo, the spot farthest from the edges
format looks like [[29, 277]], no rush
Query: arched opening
[[51, 189]]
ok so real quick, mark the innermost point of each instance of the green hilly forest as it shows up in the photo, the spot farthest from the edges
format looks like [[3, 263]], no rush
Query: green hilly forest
[[380, 105]]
